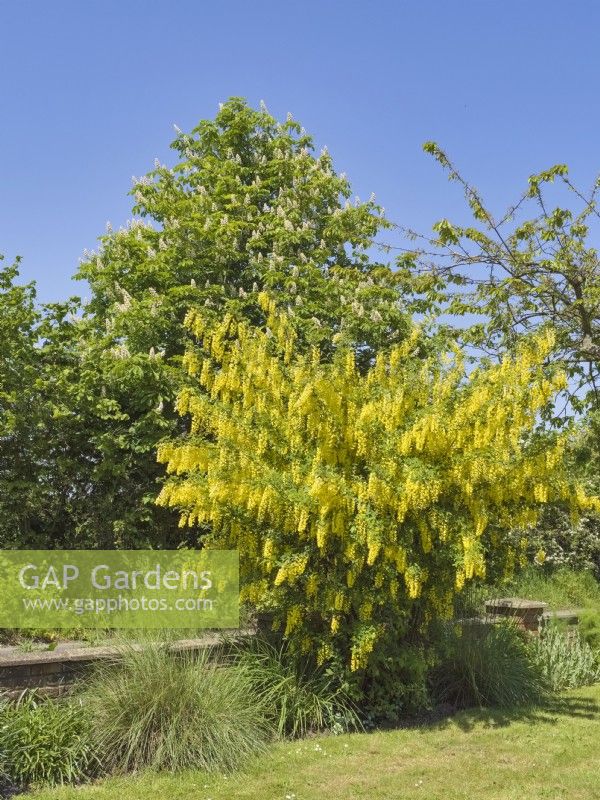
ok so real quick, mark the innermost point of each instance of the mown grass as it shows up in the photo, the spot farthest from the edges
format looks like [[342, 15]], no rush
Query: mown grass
[[550, 753]]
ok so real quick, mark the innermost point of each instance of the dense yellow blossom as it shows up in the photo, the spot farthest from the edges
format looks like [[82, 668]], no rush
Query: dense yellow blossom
[[352, 497]]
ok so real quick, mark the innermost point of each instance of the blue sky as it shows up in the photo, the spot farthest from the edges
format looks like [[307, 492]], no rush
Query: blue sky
[[90, 90]]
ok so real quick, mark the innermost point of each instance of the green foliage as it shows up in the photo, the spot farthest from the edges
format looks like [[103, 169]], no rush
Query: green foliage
[[163, 711], [566, 542], [486, 665], [63, 470], [559, 588], [589, 629], [573, 540], [396, 684], [300, 697], [566, 661], [534, 265], [24, 417], [43, 741]]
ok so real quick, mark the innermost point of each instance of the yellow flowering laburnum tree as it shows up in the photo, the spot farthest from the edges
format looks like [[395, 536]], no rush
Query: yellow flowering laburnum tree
[[360, 502]]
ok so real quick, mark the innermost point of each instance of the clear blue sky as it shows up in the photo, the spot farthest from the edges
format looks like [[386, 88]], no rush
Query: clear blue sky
[[90, 90]]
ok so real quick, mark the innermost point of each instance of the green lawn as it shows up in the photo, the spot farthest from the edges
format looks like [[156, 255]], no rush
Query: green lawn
[[480, 755]]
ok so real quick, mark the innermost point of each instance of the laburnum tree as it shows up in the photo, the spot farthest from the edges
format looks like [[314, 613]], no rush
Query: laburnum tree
[[505, 275], [360, 501], [247, 207]]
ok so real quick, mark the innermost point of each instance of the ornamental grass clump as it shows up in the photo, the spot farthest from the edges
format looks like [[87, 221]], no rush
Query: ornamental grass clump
[[300, 698], [487, 665], [153, 708]]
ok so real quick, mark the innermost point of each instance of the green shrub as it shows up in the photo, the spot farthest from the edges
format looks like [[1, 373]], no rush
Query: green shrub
[[486, 665], [566, 543], [43, 741], [589, 628], [155, 709], [395, 685], [565, 660], [300, 698]]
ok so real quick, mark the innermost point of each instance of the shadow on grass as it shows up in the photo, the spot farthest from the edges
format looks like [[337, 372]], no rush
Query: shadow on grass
[[549, 712]]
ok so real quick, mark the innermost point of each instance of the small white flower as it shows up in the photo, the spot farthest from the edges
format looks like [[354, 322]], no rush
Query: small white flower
[[121, 351]]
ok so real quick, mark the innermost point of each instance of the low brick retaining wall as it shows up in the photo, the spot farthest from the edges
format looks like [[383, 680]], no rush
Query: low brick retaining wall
[[54, 672]]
